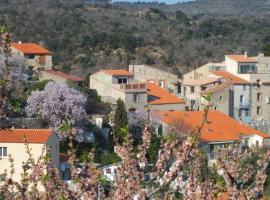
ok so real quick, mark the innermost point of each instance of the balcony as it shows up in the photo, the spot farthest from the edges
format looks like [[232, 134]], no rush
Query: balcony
[[134, 87]]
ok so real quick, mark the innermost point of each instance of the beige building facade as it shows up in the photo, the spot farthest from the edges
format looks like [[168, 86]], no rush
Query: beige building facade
[[12, 144], [114, 84]]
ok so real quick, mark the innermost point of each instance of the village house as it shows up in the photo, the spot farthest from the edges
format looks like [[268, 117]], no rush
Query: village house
[[60, 77], [218, 132], [151, 74], [37, 57], [12, 143], [111, 85]]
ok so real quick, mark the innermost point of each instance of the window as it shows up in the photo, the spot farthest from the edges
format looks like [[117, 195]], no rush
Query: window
[[203, 88], [259, 96], [258, 110], [3, 177], [42, 60], [244, 87], [247, 69], [241, 100], [192, 89], [122, 80], [3, 151], [220, 98], [161, 84], [135, 98], [179, 88], [29, 56], [185, 89]]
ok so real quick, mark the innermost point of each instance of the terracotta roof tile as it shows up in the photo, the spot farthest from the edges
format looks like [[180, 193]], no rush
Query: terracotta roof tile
[[30, 48], [217, 88], [63, 75], [242, 58], [162, 95], [118, 72], [220, 127], [31, 135], [230, 77]]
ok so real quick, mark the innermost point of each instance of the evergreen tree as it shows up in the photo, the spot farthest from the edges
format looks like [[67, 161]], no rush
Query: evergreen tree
[[120, 116], [120, 121]]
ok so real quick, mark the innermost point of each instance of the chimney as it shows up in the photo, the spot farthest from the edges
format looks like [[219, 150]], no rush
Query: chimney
[[19, 42], [246, 55]]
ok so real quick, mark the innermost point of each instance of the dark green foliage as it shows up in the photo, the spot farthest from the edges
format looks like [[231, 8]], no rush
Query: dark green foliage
[[120, 121], [109, 158], [79, 34], [180, 17], [39, 85], [266, 49], [120, 115], [152, 152], [94, 105]]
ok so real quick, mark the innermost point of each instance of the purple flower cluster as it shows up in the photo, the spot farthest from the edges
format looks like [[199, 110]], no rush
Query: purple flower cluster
[[56, 104]]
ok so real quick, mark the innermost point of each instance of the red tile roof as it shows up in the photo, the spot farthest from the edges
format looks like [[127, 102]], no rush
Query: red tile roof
[[163, 96], [63, 75], [117, 72], [230, 77], [217, 88], [31, 48], [242, 58], [20, 135], [220, 127]]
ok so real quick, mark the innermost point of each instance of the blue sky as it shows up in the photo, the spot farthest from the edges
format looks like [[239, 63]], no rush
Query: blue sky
[[164, 1]]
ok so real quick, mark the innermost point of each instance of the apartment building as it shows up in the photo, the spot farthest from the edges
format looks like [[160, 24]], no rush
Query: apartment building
[[36, 56], [119, 83], [152, 74], [219, 132]]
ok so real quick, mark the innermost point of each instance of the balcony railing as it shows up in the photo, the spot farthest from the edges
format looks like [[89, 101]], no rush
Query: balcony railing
[[133, 86]]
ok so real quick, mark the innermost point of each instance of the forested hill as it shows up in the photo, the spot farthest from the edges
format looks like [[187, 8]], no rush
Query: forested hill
[[85, 37], [223, 7]]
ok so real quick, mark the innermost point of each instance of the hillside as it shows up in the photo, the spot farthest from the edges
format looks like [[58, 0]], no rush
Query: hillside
[[85, 38], [223, 7]]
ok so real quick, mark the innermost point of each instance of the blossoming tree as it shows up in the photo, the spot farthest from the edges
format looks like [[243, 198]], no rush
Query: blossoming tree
[[56, 104]]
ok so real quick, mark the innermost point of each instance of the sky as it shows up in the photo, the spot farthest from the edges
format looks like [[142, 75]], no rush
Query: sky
[[161, 1]]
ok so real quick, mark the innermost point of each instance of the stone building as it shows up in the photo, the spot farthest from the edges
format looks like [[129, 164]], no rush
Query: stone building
[[163, 78], [37, 56], [113, 84]]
